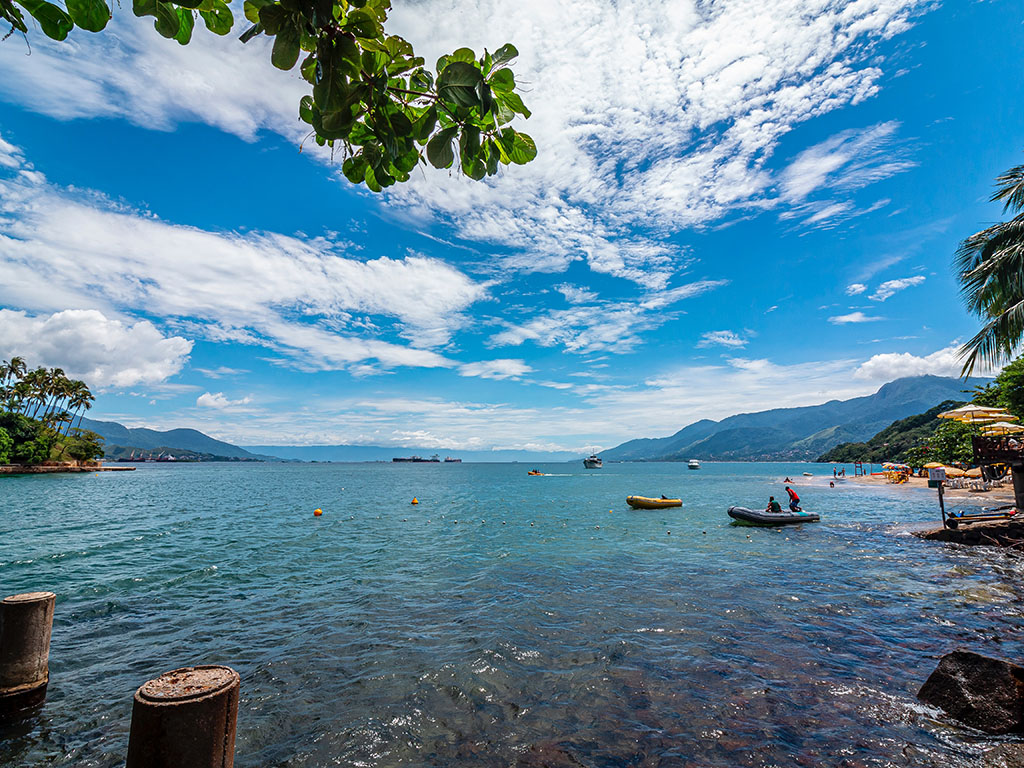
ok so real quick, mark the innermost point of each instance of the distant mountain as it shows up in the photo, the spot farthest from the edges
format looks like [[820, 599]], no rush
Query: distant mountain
[[385, 453], [797, 433], [120, 440]]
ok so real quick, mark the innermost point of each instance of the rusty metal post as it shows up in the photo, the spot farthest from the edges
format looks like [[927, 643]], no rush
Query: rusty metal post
[[185, 718], [25, 624]]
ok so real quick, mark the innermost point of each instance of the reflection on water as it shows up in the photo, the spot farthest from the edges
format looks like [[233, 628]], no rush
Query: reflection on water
[[506, 619]]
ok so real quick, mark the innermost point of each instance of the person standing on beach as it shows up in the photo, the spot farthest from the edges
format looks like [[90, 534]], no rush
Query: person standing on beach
[[794, 500]]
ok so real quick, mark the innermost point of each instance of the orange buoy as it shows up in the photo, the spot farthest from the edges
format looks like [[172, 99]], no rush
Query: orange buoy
[[317, 512], [415, 500]]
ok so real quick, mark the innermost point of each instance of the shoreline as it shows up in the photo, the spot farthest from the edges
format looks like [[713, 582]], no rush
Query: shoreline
[[53, 469], [993, 498]]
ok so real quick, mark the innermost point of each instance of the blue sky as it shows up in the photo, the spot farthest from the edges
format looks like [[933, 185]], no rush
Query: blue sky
[[735, 207]]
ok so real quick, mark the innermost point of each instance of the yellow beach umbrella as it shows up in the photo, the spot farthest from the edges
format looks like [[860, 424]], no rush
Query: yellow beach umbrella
[[954, 472], [934, 465], [1002, 428], [975, 472], [970, 414]]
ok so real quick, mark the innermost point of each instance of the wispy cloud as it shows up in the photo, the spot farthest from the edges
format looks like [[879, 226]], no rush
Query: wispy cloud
[[891, 287], [722, 339], [220, 402], [496, 369], [853, 317], [855, 289]]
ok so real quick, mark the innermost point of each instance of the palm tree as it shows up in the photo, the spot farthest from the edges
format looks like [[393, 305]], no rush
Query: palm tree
[[81, 401], [990, 269]]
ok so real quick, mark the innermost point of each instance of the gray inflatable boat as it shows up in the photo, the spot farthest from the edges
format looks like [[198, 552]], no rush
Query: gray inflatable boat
[[744, 516]]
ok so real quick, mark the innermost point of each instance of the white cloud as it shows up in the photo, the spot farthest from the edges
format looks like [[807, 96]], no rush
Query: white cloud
[[220, 402], [853, 317], [657, 117], [104, 352], [722, 339], [576, 295], [605, 326], [897, 365], [855, 289], [842, 164], [495, 369], [890, 287], [299, 296]]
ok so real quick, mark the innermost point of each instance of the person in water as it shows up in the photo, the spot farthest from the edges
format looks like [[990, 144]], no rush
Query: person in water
[[794, 500], [773, 505], [787, 480]]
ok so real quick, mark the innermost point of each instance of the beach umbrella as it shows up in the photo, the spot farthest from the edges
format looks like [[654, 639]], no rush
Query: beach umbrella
[[970, 414], [1002, 428], [934, 465], [954, 472], [975, 472]]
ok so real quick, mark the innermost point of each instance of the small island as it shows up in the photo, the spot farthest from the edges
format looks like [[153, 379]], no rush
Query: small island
[[40, 413]]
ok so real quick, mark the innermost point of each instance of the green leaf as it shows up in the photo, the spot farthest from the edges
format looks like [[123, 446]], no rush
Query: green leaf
[[502, 80], [144, 7], [469, 143], [54, 22], [400, 124], [463, 54], [505, 54], [91, 15], [167, 21], [190, 4], [362, 23], [251, 32], [424, 125], [523, 149], [286, 48], [355, 169], [219, 18], [273, 17], [186, 21], [252, 9], [457, 84], [513, 102], [439, 149], [407, 162], [306, 108]]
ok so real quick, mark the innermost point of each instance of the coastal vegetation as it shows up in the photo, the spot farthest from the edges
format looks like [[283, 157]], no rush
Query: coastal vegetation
[[371, 98], [922, 438], [40, 415], [990, 269]]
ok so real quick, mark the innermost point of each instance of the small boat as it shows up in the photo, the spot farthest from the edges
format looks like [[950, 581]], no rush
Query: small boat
[[593, 462], [645, 502], [535, 473], [744, 516], [693, 464], [808, 474]]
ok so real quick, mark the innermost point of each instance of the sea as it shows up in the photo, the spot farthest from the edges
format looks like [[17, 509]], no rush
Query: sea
[[505, 620]]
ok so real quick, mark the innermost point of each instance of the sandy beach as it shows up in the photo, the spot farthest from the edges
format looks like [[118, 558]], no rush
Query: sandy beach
[[994, 497]]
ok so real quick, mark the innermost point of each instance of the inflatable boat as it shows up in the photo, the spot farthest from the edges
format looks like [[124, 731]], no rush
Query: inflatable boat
[[645, 502], [744, 516]]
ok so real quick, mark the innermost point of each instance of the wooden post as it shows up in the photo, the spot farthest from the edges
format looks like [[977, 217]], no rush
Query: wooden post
[[1017, 471], [942, 506], [185, 718], [25, 624]]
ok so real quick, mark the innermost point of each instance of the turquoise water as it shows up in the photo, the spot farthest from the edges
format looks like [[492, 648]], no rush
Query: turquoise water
[[505, 620]]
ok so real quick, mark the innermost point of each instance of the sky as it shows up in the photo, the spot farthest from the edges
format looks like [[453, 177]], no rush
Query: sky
[[736, 205]]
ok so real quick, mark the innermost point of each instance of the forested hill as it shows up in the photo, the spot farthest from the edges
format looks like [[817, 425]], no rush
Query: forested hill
[[121, 440], [798, 433], [892, 441]]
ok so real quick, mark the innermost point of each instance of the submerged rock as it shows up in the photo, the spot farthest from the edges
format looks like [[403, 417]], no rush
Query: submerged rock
[[984, 693]]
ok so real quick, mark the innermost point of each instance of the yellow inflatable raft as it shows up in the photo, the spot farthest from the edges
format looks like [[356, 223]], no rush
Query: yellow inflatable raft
[[644, 502]]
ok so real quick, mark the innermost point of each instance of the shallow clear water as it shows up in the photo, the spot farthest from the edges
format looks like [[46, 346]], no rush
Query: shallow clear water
[[506, 619]]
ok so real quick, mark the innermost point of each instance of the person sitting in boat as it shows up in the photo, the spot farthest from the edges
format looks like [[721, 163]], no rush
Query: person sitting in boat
[[794, 500], [787, 480], [773, 505]]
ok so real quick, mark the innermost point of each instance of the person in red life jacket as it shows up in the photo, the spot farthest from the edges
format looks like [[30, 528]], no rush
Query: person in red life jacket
[[794, 500]]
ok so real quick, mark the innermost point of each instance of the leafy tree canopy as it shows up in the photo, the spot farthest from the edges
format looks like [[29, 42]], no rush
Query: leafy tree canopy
[[370, 96]]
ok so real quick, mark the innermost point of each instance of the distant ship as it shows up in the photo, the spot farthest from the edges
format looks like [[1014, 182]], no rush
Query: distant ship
[[593, 462], [450, 460], [435, 459], [693, 464]]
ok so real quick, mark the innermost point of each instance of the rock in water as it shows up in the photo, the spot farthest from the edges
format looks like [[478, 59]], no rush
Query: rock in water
[[984, 693]]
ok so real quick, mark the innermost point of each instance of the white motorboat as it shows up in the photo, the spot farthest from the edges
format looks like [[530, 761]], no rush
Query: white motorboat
[[593, 462], [693, 464]]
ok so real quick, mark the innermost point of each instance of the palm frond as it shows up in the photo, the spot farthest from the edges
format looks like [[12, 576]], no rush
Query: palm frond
[[1011, 189]]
